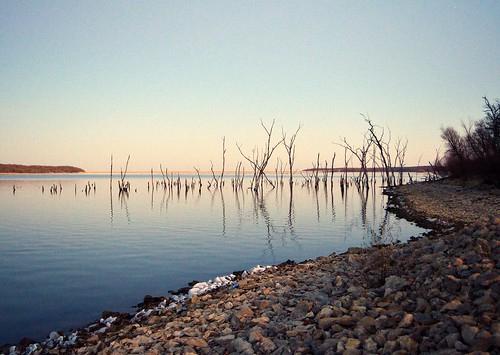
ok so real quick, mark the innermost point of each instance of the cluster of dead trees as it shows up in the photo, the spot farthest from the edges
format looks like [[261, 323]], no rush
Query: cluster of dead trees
[[88, 188], [260, 158], [476, 151], [54, 189], [376, 152]]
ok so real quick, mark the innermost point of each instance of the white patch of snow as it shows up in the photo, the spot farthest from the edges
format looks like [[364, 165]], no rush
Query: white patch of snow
[[204, 287], [31, 349], [108, 321], [256, 269]]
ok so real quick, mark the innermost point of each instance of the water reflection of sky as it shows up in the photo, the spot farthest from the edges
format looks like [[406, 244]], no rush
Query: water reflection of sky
[[66, 257]]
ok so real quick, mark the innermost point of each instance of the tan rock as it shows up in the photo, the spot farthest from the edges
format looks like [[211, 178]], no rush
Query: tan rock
[[267, 345], [352, 343], [196, 342], [244, 312], [406, 321]]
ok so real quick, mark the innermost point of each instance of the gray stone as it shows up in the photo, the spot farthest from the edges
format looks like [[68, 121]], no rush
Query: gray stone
[[394, 284], [407, 343], [242, 346], [370, 345], [468, 333]]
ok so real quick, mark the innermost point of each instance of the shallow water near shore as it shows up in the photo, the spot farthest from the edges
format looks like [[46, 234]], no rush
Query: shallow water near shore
[[66, 257]]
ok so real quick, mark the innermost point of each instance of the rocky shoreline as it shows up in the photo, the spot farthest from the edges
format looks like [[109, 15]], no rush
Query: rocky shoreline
[[436, 293]]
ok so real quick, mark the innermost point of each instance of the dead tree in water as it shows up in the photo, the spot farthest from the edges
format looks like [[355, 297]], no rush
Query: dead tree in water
[[316, 172], [325, 173], [213, 174], [165, 184], [199, 178], [290, 150], [122, 186], [221, 179], [152, 182], [343, 178], [239, 176], [219, 182], [362, 155], [111, 174], [399, 160], [259, 163], [333, 164], [378, 140]]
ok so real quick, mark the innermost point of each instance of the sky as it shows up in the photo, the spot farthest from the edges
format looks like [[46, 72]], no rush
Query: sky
[[164, 81]]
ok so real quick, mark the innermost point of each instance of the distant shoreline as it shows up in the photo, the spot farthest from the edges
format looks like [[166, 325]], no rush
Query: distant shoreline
[[11, 169], [405, 169]]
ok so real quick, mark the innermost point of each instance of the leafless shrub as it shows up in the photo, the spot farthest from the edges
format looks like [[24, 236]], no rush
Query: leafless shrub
[[477, 151]]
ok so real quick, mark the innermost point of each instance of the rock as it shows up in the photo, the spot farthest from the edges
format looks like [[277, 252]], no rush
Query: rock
[[451, 339], [460, 346], [482, 341], [262, 321], [422, 306], [451, 306], [242, 346], [393, 284], [345, 321], [468, 333], [463, 319], [408, 344], [495, 328], [328, 345], [340, 347], [351, 352], [451, 284], [228, 305], [325, 312], [264, 304], [406, 321], [245, 312], [267, 345], [255, 335], [301, 309], [326, 323], [355, 291], [352, 343], [225, 339], [195, 299], [368, 323], [196, 342], [390, 346], [370, 345]]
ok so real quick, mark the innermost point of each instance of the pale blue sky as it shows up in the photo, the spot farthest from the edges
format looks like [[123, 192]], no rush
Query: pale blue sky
[[164, 80]]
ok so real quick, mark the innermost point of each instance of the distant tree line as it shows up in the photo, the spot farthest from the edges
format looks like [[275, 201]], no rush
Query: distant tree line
[[476, 151]]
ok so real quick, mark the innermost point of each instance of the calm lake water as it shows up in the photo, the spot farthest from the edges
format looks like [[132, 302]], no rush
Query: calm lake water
[[66, 257]]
